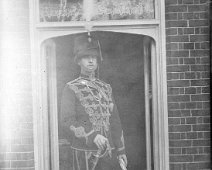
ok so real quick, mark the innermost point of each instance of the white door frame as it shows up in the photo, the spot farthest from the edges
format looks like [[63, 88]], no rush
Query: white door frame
[[41, 32]]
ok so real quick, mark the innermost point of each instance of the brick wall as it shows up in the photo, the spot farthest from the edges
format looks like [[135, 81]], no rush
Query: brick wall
[[16, 135], [188, 73]]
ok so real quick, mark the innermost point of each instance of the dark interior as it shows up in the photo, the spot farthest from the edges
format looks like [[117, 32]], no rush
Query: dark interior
[[123, 69]]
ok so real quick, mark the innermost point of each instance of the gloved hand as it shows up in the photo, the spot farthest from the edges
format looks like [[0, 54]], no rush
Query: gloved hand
[[124, 158], [100, 141]]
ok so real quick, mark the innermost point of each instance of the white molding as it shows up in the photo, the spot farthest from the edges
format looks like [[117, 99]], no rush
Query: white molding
[[39, 32]]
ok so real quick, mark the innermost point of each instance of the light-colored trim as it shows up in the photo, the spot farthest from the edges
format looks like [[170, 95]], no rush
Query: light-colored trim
[[39, 97], [81, 24], [154, 28], [52, 96], [147, 76]]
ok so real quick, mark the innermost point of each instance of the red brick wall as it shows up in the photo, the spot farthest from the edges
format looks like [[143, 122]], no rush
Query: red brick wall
[[188, 73], [16, 135]]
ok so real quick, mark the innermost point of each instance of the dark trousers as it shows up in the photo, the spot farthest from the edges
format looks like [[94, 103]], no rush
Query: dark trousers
[[104, 163]]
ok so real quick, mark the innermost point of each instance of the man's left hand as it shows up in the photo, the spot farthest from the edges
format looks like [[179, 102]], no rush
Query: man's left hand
[[124, 158]]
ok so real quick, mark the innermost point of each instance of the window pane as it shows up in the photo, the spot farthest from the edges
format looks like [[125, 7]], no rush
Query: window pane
[[100, 10], [123, 9]]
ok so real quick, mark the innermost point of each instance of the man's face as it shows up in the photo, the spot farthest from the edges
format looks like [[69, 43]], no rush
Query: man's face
[[88, 63]]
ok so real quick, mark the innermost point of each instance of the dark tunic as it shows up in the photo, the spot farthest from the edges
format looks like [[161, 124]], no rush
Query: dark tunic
[[88, 109]]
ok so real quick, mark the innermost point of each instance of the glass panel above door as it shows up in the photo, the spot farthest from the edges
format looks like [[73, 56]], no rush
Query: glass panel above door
[[95, 10]]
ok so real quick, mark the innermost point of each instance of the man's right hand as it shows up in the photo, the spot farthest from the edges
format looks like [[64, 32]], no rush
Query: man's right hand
[[100, 141]]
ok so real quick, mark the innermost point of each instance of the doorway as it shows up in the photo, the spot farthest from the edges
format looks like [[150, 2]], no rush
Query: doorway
[[126, 67]]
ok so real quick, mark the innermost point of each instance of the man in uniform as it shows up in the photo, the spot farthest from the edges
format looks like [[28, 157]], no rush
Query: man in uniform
[[90, 116]]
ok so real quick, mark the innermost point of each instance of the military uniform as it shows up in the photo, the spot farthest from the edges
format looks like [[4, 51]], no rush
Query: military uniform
[[88, 109]]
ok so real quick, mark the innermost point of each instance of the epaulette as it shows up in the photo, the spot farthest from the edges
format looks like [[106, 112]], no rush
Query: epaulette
[[73, 81]]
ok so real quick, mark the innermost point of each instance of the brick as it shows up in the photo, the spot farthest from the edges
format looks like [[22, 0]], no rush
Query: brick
[[204, 127], [173, 91], [183, 136], [204, 158], [22, 164], [191, 120], [182, 105], [206, 105], [190, 75], [4, 164], [204, 15], [197, 8], [204, 1], [206, 119], [171, 16], [171, 31], [171, 61], [173, 76], [178, 83], [197, 45], [176, 23], [200, 67], [198, 38], [180, 31], [205, 60], [170, 2], [204, 165], [190, 90], [182, 120], [175, 166], [205, 74], [180, 128], [204, 30], [206, 150], [22, 148], [197, 30], [200, 97], [182, 38], [175, 113], [205, 45], [174, 121], [180, 61], [199, 105], [196, 16], [191, 135], [199, 53], [191, 150], [178, 8], [201, 143], [173, 106], [179, 16], [200, 112], [198, 23], [188, 16], [188, 45], [185, 113], [172, 46], [179, 143], [191, 105], [180, 1], [188, 1], [178, 68], [202, 82], [175, 150], [206, 90], [187, 158], [173, 136], [182, 53]]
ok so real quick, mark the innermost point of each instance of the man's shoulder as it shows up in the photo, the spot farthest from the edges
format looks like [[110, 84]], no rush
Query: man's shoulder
[[73, 82]]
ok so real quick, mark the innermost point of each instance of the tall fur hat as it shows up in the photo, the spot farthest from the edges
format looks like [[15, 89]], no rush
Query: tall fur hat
[[85, 45]]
